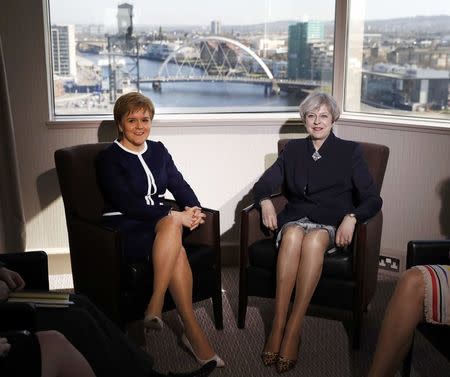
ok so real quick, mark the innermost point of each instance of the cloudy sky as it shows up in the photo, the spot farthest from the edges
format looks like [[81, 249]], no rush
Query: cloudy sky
[[232, 12]]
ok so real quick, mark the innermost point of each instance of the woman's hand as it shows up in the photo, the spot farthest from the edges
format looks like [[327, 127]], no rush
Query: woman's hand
[[184, 218], [4, 347], [345, 231], [190, 218], [4, 291], [12, 279], [197, 215], [269, 215]]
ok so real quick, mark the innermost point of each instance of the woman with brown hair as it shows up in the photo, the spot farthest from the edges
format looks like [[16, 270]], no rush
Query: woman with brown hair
[[134, 174]]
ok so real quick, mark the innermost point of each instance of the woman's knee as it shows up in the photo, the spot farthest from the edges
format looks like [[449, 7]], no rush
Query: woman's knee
[[292, 235], [412, 282], [52, 340], [168, 223], [316, 242]]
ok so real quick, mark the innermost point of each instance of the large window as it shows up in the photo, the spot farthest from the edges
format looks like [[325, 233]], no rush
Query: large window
[[190, 56], [398, 58], [200, 56], [251, 56]]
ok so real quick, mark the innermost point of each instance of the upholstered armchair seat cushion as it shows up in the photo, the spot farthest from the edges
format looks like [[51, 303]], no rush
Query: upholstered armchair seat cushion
[[262, 254]]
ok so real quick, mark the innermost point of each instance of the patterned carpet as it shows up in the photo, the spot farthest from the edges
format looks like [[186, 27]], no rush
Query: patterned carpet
[[325, 349]]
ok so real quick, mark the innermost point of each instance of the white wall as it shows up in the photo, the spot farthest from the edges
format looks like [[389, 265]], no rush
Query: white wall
[[220, 159], [416, 190]]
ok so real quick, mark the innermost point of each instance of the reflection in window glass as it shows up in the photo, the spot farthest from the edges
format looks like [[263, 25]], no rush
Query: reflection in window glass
[[398, 58], [195, 56]]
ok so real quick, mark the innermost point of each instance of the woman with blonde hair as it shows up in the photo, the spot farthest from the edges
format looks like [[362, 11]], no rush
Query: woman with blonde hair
[[329, 189]]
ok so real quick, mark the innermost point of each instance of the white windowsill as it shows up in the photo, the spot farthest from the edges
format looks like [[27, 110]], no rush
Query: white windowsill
[[187, 120], [265, 120]]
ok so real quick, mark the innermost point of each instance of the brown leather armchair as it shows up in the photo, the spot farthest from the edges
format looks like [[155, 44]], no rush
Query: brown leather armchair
[[120, 288], [429, 252], [348, 278]]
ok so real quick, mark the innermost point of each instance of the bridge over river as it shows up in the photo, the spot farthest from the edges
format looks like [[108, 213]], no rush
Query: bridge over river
[[220, 59]]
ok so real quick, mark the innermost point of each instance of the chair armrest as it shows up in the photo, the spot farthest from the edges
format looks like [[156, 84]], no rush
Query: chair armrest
[[207, 233], [17, 316], [366, 253], [428, 252], [252, 229], [95, 254], [31, 265]]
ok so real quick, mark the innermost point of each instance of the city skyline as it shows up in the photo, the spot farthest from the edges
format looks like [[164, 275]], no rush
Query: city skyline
[[249, 12]]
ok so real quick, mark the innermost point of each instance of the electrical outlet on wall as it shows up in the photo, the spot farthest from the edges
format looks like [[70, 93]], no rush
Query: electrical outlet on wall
[[389, 263]]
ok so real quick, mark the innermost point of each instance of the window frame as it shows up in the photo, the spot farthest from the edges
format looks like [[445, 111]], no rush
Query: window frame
[[260, 119]]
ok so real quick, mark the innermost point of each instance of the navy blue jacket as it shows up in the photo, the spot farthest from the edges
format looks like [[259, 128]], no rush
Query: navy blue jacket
[[324, 190], [133, 184]]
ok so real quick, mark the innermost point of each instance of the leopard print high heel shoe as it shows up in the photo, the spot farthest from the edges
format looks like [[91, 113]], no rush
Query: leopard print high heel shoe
[[269, 358], [284, 364]]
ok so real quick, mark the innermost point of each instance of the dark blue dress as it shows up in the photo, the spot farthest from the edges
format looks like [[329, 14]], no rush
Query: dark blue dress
[[133, 185]]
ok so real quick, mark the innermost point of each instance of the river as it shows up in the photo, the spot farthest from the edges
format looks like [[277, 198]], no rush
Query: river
[[222, 96]]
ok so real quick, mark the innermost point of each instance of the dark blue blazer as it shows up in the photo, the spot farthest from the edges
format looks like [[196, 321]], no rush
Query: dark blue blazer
[[126, 186], [324, 190]]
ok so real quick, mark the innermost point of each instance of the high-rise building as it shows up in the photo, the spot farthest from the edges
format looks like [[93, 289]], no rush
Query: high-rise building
[[63, 50], [125, 19], [299, 53], [215, 27], [316, 31], [301, 57]]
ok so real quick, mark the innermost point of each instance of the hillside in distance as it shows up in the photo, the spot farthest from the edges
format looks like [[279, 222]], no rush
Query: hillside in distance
[[409, 25], [414, 25]]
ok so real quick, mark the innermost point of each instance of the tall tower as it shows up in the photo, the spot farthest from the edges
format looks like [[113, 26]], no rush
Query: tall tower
[[215, 27], [125, 19], [63, 50], [316, 31], [299, 53]]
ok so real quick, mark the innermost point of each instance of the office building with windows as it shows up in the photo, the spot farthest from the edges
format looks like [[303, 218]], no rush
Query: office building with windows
[[412, 89], [63, 50], [215, 27], [301, 37], [299, 52], [316, 31]]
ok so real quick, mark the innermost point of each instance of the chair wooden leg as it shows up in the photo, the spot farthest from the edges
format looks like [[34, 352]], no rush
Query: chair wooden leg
[[242, 310], [217, 308], [406, 368], [356, 336]]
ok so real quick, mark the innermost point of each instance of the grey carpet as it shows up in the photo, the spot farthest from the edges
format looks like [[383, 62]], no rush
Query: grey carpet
[[325, 349]]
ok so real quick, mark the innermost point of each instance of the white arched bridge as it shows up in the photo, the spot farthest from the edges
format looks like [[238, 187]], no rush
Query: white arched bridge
[[220, 59]]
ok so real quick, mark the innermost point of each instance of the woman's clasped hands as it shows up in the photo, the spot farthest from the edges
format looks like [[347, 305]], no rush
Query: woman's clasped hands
[[198, 217], [191, 217]]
